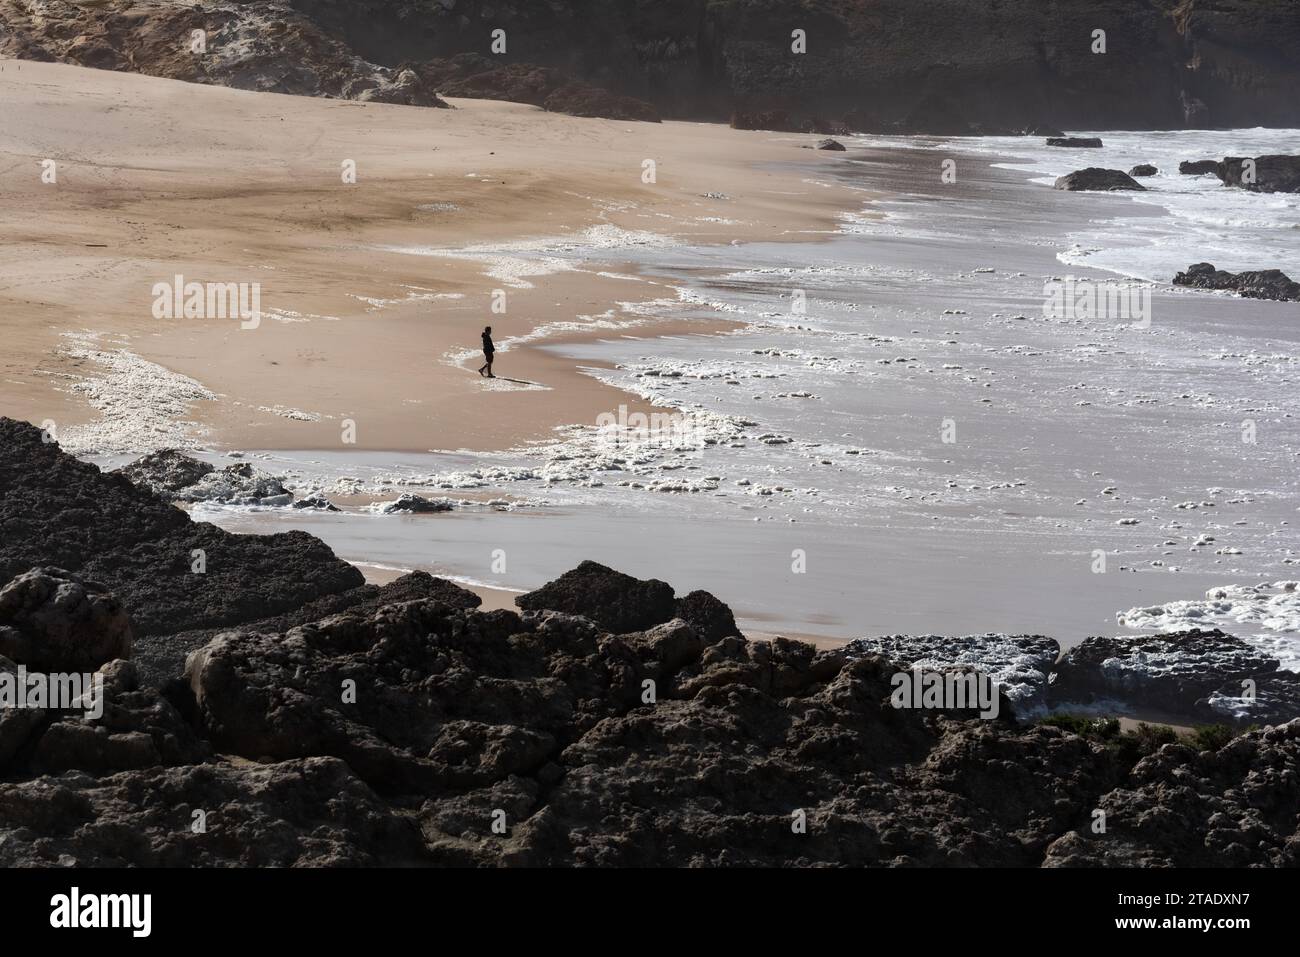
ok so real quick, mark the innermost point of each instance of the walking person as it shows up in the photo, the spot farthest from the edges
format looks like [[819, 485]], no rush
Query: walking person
[[488, 350]]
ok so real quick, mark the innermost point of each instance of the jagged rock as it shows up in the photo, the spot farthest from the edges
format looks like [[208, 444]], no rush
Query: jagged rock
[[1075, 142], [54, 621], [1231, 808], [831, 144], [1198, 167], [313, 812], [1259, 284], [1267, 699], [415, 505], [60, 512], [707, 615], [1019, 664], [1095, 178], [613, 600], [1167, 673], [1143, 169], [316, 502], [1271, 174], [179, 478], [166, 471]]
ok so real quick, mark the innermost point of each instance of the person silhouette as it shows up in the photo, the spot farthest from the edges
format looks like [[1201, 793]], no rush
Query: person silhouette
[[488, 350]]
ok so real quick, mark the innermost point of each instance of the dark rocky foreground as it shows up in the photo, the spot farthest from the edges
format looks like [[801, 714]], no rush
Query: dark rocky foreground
[[935, 66], [1094, 178], [609, 722]]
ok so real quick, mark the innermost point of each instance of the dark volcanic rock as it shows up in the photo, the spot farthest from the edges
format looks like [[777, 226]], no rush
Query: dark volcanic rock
[[1260, 284], [55, 510], [830, 144], [1198, 167], [1095, 178], [177, 477], [54, 621], [1267, 699], [611, 599], [314, 812], [415, 505], [1232, 808], [707, 615], [166, 472], [1271, 174], [1075, 142], [1020, 664], [1166, 673], [1143, 169], [316, 502]]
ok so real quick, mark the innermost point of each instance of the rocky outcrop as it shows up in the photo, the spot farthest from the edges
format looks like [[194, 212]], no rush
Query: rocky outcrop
[[1256, 284], [1261, 174], [1020, 664], [609, 723], [268, 47], [1143, 169], [934, 66], [831, 144], [1232, 807], [1167, 673], [1094, 178], [54, 621], [170, 573], [1075, 142], [1198, 167], [415, 505], [176, 477], [616, 601]]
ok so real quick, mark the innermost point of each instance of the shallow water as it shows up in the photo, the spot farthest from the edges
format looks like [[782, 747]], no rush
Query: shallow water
[[810, 482]]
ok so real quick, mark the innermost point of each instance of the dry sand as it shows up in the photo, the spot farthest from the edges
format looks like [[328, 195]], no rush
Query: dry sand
[[157, 178]]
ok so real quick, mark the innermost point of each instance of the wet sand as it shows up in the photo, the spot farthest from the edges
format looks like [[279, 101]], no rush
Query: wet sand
[[156, 178]]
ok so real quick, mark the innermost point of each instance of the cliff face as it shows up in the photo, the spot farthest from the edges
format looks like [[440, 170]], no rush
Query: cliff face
[[944, 66], [937, 65]]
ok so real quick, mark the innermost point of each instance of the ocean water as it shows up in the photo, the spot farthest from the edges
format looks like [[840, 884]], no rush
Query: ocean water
[[895, 436]]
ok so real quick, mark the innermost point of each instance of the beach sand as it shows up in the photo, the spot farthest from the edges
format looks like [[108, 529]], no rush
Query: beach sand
[[156, 178]]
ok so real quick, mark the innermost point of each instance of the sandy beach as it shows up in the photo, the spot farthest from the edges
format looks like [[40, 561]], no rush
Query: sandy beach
[[352, 328]]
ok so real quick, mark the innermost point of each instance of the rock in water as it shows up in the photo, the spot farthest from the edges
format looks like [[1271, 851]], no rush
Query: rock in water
[[1168, 673], [415, 505], [1261, 284], [1270, 174], [1019, 664], [1095, 178], [831, 144], [317, 502], [613, 600], [1143, 169], [1198, 167], [166, 472], [1075, 142], [54, 621]]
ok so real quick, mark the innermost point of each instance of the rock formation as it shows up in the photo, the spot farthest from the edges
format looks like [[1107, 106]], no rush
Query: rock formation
[[1096, 178], [1261, 174], [1143, 169], [1257, 284], [937, 66], [609, 722]]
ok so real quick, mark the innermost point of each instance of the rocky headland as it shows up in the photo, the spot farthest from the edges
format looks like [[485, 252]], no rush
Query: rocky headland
[[934, 66], [306, 718]]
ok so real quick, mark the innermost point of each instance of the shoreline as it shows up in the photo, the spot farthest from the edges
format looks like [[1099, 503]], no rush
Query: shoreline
[[449, 180]]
